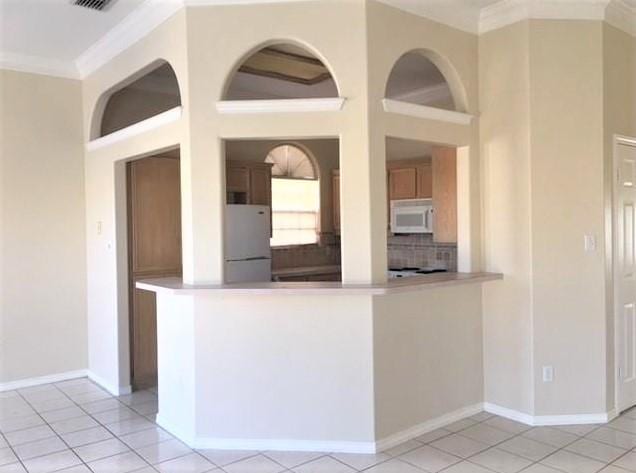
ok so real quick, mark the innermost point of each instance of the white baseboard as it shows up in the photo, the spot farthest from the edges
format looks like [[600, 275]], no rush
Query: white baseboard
[[111, 388], [51, 378], [428, 426], [318, 445], [573, 419]]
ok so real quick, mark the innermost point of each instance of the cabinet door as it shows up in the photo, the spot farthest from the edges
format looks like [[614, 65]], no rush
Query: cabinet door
[[445, 195], [335, 193], [424, 182], [237, 179], [403, 183], [260, 186]]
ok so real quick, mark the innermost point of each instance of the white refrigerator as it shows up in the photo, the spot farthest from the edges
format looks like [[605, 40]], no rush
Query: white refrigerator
[[248, 257]]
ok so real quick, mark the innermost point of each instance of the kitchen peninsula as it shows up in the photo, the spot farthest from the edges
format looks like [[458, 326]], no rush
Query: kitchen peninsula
[[317, 366]]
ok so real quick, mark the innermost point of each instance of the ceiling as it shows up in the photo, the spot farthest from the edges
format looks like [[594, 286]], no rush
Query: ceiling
[[56, 28], [57, 37]]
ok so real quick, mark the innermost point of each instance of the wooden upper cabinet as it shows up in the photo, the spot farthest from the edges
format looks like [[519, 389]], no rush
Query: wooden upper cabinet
[[335, 196], [237, 178], [403, 183], [260, 191], [410, 180], [445, 195], [251, 180], [424, 182]]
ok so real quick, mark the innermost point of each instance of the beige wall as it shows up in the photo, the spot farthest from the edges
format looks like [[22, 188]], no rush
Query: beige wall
[[544, 190], [43, 272], [566, 140], [420, 371], [505, 134]]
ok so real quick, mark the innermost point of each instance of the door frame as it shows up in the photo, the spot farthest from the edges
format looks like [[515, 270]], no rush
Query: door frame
[[617, 140]]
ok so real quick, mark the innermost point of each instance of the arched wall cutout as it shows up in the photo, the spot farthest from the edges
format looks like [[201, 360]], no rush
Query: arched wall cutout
[[231, 77], [305, 150], [96, 128], [440, 65]]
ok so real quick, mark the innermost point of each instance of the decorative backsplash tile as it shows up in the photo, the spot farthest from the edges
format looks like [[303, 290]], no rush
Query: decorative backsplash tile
[[305, 255], [419, 250]]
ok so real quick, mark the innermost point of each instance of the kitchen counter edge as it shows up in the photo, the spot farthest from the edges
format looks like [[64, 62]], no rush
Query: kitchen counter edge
[[394, 286]]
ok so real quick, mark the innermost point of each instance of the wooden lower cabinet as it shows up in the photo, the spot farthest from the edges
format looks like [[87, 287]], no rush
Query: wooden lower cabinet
[[154, 251]]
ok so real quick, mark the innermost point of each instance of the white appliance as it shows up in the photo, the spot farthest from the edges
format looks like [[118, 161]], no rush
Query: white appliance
[[412, 216], [248, 256]]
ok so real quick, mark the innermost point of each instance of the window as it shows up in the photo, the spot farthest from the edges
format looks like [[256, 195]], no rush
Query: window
[[295, 197]]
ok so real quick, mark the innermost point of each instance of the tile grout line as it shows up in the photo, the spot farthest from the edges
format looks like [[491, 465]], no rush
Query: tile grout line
[[53, 430]]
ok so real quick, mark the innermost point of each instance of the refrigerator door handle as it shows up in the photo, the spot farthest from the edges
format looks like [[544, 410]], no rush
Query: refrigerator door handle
[[256, 258]]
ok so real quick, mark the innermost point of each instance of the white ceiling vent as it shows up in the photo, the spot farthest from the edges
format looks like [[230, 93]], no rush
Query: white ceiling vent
[[98, 5]]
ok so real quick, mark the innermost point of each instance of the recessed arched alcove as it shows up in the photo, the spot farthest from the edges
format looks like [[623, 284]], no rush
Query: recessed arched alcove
[[421, 77], [149, 92], [281, 71]]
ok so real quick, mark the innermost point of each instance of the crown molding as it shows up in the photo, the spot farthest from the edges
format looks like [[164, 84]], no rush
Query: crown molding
[[466, 20], [131, 29], [622, 15], [507, 12], [151, 13], [38, 65]]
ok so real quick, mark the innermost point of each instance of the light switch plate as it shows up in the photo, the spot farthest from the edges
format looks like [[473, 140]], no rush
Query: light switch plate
[[589, 243]]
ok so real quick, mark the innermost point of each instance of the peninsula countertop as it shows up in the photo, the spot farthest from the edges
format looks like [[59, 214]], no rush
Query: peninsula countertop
[[393, 286]]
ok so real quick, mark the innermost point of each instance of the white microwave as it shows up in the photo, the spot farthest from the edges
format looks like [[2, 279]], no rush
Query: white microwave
[[412, 216]]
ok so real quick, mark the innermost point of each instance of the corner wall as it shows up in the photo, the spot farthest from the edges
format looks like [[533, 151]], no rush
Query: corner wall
[[543, 158], [43, 262]]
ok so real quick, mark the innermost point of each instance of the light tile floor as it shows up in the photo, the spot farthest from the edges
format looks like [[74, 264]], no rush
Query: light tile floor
[[76, 427]]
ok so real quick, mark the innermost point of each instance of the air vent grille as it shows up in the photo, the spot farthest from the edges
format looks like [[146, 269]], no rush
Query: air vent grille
[[98, 5]]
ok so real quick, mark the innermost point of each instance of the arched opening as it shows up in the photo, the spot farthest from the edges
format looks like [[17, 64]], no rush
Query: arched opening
[[295, 197], [420, 78], [150, 94], [281, 71]]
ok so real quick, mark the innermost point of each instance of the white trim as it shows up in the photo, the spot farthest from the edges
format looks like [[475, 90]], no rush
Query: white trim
[[111, 388], [429, 113], [152, 123], [622, 16], [573, 419], [38, 65], [48, 379], [280, 105], [428, 426], [618, 13], [294, 445], [462, 17], [624, 140], [135, 26]]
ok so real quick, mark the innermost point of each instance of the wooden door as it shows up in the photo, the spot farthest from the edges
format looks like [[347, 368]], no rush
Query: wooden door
[[625, 274], [403, 183], [154, 247], [424, 182], [445, 195], [261, 186], [335, 205]]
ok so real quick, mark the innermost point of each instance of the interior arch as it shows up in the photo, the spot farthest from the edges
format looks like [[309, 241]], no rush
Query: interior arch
[[149, 92], [280, 70], [423, 77]]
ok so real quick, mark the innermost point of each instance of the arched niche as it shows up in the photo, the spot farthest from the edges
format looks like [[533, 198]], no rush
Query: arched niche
[[280, 70], [422, 77], [145, 94]]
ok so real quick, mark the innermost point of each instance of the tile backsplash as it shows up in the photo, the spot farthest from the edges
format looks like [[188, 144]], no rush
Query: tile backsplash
[[419, 250], [305, 256]]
